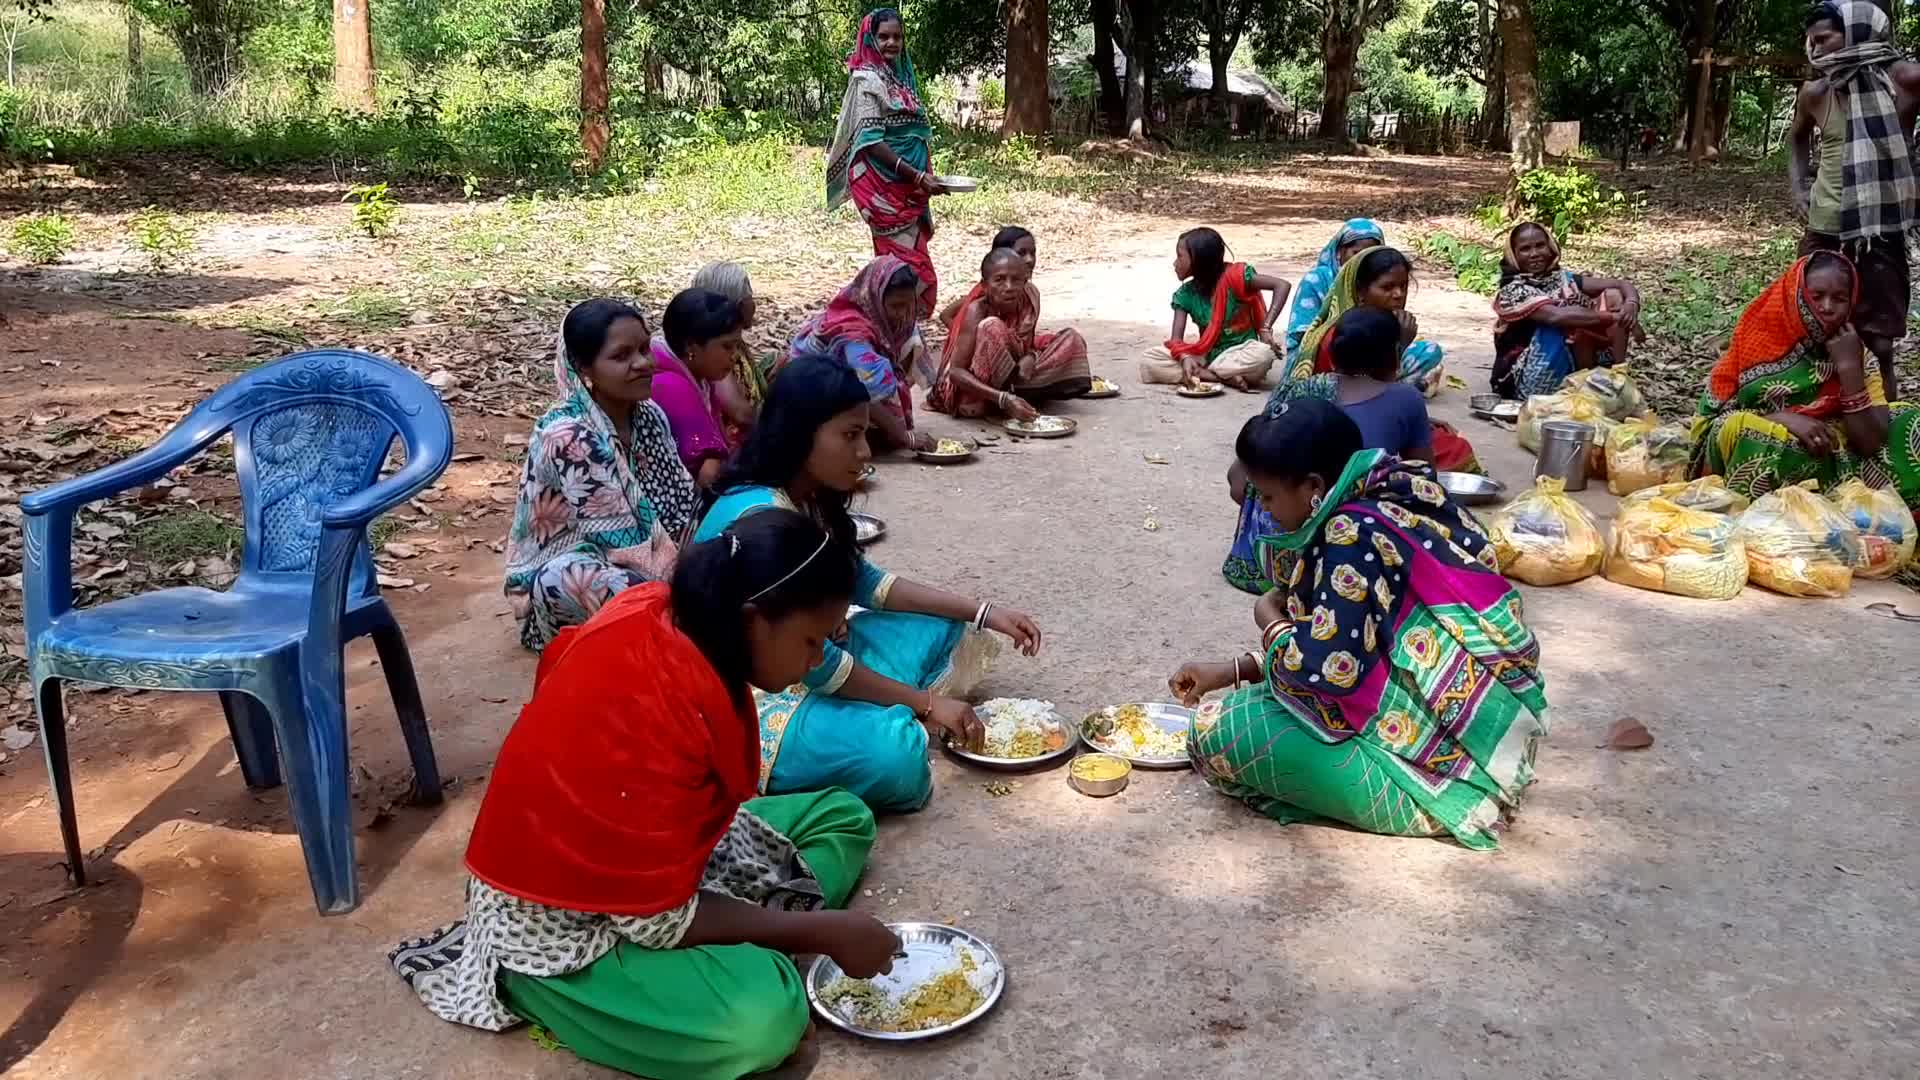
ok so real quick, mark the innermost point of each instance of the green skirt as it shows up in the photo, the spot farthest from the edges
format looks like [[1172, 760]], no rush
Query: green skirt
[[716, 1012], [1757, 455]]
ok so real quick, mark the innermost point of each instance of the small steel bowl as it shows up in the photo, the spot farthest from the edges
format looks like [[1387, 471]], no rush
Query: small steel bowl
[[1469, 489], [1481, 403], [1100, 789]]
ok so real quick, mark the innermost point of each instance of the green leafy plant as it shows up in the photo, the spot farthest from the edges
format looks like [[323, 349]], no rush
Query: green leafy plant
[[374, 210], [42, 238], [1475, 266], [1571, 200], [161, 239]]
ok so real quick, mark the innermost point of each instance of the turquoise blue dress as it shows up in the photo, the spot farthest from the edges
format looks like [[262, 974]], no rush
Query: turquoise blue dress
[[810, 738]]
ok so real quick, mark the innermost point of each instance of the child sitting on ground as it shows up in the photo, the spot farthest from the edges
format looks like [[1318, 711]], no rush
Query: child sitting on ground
[[1236, 325]]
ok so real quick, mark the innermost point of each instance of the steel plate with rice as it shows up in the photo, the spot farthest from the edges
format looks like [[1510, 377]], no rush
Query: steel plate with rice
[[1200, 390], [1021, 734], [1152, 735], [1101, 388], [947, 980], [948, 451], [1041, 427]]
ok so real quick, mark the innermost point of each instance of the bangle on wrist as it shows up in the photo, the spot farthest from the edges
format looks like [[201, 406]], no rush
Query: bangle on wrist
[[981, 614]]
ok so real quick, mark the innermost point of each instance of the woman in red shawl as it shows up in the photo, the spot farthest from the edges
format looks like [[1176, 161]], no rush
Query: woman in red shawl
[[881, 155], [870, 325], [627, 892]]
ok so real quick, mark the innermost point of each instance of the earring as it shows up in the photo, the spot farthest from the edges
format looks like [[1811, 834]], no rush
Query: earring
[[1313, 504]]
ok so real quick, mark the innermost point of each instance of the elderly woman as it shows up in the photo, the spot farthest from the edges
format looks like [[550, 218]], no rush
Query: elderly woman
[[1396, 689], [626, 891], [745, 387], [1314, 305], [870, 325], [1552, 322], [1795, 399], [861, 719], [603, 494], [881, 155]]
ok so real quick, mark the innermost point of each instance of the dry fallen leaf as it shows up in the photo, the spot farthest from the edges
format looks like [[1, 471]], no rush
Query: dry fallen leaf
[[399, 550], [167, 761], [1628, 734]]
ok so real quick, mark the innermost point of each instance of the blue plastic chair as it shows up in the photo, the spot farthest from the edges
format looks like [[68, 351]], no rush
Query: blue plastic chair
[[310, 433]]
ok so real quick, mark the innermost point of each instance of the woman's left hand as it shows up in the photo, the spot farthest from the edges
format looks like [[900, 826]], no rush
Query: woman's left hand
[[1270, 608], [1017, 625]]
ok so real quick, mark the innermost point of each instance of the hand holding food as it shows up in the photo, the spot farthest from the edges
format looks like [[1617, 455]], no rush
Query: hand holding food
[[861, 944], [955, 719]]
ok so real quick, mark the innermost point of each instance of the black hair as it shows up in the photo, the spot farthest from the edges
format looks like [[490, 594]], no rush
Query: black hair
[[995, 256], [1827, 13], [697, 316], [903, 278], [584, 330], [1207, 256], [884, 15], [1010, 235], [1298, 439], [776, 559], [1830, 260], [1366, 341], [812, 389], [1378, 263]]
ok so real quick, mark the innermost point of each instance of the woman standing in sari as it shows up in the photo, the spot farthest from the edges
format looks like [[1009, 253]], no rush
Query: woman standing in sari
[[870, 325], [859, 720], [1376, 277], [1553, 322], [626, 891], [1794, 398], [882, 152], [1420, 364], [1391, 644], [995, 355], [603, 494]]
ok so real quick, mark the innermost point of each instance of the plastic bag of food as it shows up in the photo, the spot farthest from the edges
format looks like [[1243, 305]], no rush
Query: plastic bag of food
[[1799, 543], [1566, 405], [1644, 453], [1619, 396], [1668, 548], [1545, 538], [1708, 493], [1887, 530]]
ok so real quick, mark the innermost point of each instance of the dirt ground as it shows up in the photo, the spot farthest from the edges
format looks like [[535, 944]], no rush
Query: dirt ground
[[1729, 903]]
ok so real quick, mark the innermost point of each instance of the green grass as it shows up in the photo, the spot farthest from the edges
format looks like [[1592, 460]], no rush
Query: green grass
[[370, 309], [187, 534], [384, 528]]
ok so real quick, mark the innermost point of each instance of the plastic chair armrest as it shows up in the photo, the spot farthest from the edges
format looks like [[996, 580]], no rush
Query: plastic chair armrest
[[142, 468], [363, 506]]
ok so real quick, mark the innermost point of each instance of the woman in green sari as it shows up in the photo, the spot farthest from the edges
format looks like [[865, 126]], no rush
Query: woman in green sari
[[1793, 398], [1397, 689]]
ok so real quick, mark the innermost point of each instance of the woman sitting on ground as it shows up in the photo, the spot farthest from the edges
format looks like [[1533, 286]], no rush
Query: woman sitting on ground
[[695, 350], [1553, 322], [742, 391], [1391, 636], [1391, 414], [860, 720], [1022, 242], [628, 893], [1236, 325], [603, 495], [1314, 305], [870, 324], [994, 356], [1795, 397], [1378, 278]]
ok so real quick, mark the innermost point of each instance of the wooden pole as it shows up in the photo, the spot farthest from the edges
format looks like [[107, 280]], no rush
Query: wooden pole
[[1702, 105]]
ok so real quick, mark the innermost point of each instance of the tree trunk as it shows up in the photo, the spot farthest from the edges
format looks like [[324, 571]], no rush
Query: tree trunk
[[136, 49], [1523, 86], [1029, 112], [209, 45], [353, 54], [1140, 62], [1340, 40], [595, 132], [1218, 53], [1112, 101]]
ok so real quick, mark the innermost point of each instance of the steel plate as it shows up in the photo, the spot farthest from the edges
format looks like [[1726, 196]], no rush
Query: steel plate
[[930, 949], [1172, 718]]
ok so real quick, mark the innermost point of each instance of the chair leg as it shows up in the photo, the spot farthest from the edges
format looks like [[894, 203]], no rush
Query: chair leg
[[53, 740], [313, 749], [397, 662], [252, 730]]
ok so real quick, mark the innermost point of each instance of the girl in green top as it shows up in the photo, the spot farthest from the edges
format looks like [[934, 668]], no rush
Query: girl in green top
[[1235, 322]]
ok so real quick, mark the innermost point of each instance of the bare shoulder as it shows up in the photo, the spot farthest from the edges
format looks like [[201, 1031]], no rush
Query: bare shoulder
[[1906, 75], [1812, 92]]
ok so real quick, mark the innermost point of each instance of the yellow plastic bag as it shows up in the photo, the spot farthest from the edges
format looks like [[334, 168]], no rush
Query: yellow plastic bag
[[1799, 543], [1619, 396], [1644, 453], [1887, 530], [1668, 548], [1545, 538], [1708, 493]]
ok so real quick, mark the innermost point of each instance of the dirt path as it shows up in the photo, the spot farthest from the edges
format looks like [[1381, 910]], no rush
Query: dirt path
[[1729, 903]]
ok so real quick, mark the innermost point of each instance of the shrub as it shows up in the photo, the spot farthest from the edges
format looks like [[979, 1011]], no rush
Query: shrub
[[374, 210], [161, 239], [1475, 267], [1569, 199], [42, 238]]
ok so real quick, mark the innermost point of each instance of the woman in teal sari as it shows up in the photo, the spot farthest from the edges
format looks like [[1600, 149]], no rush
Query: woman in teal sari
[[1318, 303], [861, 719], [1397, 688]]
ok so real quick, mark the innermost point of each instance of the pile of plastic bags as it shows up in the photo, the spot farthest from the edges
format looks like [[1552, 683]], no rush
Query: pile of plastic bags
[[1642, 453], [1800, 543], [1546, 538], [1618, 395], [1887, 531], [1660, 545]]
